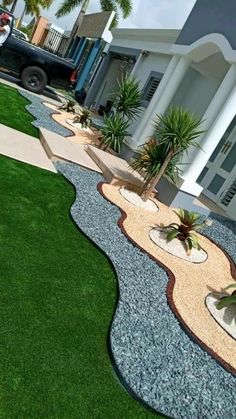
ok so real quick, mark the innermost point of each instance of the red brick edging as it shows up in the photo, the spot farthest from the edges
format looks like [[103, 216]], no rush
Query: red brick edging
[[171, 285]]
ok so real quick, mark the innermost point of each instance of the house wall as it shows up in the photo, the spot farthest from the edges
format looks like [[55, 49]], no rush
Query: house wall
[[207, 17], [195, 92], [110, 84]]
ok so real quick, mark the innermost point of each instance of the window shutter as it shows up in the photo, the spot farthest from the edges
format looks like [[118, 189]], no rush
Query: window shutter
[[229, 194], [150, 89]]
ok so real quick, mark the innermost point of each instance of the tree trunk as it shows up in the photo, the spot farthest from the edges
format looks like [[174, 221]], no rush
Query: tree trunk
[[19, 23], [13, 6], [148, 188], [78, 21]]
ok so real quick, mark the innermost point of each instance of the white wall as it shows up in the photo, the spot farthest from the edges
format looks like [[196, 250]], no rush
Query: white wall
[[151, 62], [195, 92]]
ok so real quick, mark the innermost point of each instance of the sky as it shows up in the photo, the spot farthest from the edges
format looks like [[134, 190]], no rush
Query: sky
[[159, 14]]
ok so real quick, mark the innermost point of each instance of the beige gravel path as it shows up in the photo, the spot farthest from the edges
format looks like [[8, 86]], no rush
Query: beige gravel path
[[192, 282], [80, 136]]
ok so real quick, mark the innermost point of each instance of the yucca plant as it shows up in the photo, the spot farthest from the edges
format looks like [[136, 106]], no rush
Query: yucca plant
[[227, 300], [150, 160], [127, 101], [114, 132], [84, 118], [174, 133], [185, 231]]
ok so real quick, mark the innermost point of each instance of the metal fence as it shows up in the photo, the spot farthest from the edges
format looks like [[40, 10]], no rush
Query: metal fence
[[55, 42]]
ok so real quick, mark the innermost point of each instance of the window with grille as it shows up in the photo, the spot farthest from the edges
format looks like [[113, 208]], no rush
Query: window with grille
[[229, 194], [151, 87]]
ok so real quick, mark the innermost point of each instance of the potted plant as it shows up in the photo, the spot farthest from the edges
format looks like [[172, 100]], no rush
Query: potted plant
[[173, 134]]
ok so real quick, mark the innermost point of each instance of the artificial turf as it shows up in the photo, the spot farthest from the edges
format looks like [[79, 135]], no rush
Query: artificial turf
[[13, 113], [57, 297]]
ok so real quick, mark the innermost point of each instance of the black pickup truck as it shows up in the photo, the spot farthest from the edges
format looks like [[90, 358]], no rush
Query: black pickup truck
[[35, 67]]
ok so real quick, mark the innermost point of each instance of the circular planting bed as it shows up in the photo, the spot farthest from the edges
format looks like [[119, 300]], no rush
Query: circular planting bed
[[136, 200], [176, 248], [226, 317]]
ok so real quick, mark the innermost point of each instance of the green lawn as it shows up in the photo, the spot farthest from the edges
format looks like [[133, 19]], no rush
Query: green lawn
[[57, 297], [13, 113]]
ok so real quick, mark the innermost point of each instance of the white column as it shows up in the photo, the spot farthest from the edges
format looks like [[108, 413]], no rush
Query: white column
[[209, 117], [213, 137], [167, 88], [137, 63]]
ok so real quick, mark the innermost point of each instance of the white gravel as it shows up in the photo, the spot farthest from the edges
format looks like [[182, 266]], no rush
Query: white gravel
[[226, 317], [136, 200], [176, 248]]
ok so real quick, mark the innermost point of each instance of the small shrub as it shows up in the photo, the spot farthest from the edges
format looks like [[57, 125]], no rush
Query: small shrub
[[84, 118], [69, 106], [114, 132], [127, 101], [185, 231]]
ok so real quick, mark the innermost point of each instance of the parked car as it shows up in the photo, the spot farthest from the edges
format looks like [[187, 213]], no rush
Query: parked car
[[19, 34], [34, 66]]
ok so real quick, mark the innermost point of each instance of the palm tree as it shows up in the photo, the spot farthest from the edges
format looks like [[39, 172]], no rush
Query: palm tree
[[31, 7], [174, 133], [125, 6]]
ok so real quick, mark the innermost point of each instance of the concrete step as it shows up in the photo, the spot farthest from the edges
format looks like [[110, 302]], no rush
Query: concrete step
[[59, 148], [23, 147], [115, 170]]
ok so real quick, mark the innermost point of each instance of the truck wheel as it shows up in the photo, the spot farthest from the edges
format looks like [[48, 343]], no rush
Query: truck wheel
[[34, 79]]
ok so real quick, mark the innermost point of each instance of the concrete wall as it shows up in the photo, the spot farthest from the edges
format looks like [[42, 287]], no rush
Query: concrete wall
[[40, 31], [195, 92], [210, 16]]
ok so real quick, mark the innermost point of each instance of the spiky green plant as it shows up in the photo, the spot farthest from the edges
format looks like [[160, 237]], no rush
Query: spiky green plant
[[174, 132], [150, 160], [185, 231], [227, 300], [114, 132], [69, 106], [84, 118], [127, 101]]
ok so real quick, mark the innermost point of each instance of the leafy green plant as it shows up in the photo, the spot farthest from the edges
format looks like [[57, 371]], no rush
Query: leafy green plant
[[227, 300], [127, 101], [84, 118], [174, 133], [69, 106], [185, 231], [114, 132]]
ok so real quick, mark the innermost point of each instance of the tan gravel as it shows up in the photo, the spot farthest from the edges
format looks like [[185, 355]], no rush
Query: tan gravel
[[80, 136], [193, 281]]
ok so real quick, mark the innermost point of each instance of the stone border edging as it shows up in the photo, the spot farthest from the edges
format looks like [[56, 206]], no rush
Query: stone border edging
[[171, 285]]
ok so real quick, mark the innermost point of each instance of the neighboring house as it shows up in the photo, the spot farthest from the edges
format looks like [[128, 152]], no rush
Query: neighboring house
[[194, 68], [49, 36], [88, 45]]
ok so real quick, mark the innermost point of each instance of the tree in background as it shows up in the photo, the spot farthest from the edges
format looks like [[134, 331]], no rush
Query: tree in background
[[31, 7]]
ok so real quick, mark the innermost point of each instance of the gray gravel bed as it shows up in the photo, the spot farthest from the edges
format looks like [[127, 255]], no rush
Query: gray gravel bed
[[43, 115], [156, 358]]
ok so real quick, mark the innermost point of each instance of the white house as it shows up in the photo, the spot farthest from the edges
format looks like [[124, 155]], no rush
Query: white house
[[194, 68]]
